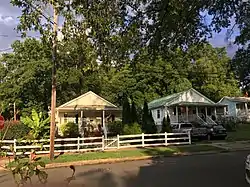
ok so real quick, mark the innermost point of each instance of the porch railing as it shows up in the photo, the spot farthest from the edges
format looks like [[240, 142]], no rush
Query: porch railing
[[210, 121], [200, 120]]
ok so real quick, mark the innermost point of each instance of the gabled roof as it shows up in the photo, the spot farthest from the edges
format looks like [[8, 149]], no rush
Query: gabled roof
[[89, 99], [172, 99], [236, 99], [163, 101]]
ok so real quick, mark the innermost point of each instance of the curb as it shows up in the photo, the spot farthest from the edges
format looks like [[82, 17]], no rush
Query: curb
[[127, 159]]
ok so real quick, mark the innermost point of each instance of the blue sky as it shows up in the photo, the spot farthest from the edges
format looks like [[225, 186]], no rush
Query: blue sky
[[8, 22]]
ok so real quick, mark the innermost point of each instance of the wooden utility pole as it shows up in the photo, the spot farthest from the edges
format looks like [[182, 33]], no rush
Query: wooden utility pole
[[14, 111], [53, 92]]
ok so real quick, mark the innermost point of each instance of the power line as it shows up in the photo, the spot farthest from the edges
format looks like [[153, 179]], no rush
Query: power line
[[47, 18], [7, 49], [17, 36]]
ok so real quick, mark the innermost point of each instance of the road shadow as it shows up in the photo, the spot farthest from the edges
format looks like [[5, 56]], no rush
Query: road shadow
[[189, 171]]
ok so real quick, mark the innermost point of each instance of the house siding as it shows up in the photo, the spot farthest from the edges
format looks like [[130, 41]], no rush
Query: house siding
[[158, 121], [191, 96], [231, 107]]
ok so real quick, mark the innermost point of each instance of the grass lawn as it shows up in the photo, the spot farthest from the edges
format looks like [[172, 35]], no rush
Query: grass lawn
[[152, 151], [242, 133], [136, 152]]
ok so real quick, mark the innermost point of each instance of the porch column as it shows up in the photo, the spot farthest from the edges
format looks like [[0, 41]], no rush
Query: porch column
[[187, 113], [215, 112], [177, 114], [206, 111], [103, 124], [197, 111], [81, 128], [225, 111], [58, 119], [246, 108]]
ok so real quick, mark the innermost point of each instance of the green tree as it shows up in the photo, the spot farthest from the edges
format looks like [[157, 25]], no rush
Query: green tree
[[240, 65], [211, 73], [38, 124], [148, 125], [27, 81], [166, 125], [134, 118], [126, 112]]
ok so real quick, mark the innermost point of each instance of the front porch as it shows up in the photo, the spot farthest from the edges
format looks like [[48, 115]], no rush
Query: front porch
[[243, 111], [196, 112], [89, 111], [88, 118]]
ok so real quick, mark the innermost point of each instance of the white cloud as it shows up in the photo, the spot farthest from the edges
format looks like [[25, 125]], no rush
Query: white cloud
[[7, 20]]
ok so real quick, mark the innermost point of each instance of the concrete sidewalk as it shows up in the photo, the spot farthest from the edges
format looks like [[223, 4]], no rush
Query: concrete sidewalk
[[233, 146]]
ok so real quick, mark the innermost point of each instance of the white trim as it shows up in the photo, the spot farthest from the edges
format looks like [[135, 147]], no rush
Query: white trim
[[222, 99], [90, 92], [191, 89], [201, 95]]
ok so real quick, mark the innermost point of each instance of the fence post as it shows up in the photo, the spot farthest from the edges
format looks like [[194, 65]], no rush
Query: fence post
[[166, 138], [103, 143], [189, 137], [118, 141], [78, 144], [142, 139], [14, 145]]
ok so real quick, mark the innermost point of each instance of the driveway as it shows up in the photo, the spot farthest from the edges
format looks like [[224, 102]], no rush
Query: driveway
[[217, 170]]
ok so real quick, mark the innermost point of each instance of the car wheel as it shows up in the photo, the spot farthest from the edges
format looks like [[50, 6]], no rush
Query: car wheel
[[247, 178]]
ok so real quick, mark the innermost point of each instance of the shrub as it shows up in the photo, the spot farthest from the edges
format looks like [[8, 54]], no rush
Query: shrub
[[115, 127], [38, 123], [148, 124], [16, 130], [229, 124], [166, 125], [69, 130], [133, 128]]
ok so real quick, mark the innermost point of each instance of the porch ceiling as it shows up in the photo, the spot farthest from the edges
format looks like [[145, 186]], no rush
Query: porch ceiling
[[198, 104], [89, 108]]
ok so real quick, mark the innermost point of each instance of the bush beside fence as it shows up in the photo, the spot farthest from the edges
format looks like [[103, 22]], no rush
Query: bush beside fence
[[95, 143]]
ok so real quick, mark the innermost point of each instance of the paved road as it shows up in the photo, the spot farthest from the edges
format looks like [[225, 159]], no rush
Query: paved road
[[220, 170]]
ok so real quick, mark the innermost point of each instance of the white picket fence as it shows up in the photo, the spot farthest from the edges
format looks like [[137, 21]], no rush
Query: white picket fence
[[95, 143]]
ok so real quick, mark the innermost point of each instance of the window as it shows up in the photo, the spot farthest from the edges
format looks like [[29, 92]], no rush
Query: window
[[158, 114]]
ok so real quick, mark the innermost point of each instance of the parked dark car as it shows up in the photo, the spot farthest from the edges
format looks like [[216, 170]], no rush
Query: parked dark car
[[216, 132], [196, 130]]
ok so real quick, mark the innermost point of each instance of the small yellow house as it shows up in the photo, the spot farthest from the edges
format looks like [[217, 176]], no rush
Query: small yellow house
[[86, 109]]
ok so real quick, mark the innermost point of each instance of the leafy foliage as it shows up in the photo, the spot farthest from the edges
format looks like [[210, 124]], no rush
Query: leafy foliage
[[126, 111], [25, 169], [69, 130], [148, 125], [166, 125], [14, 130], [115, 127], [134, 48], [38, 124], [134, 115], [133, 128]]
